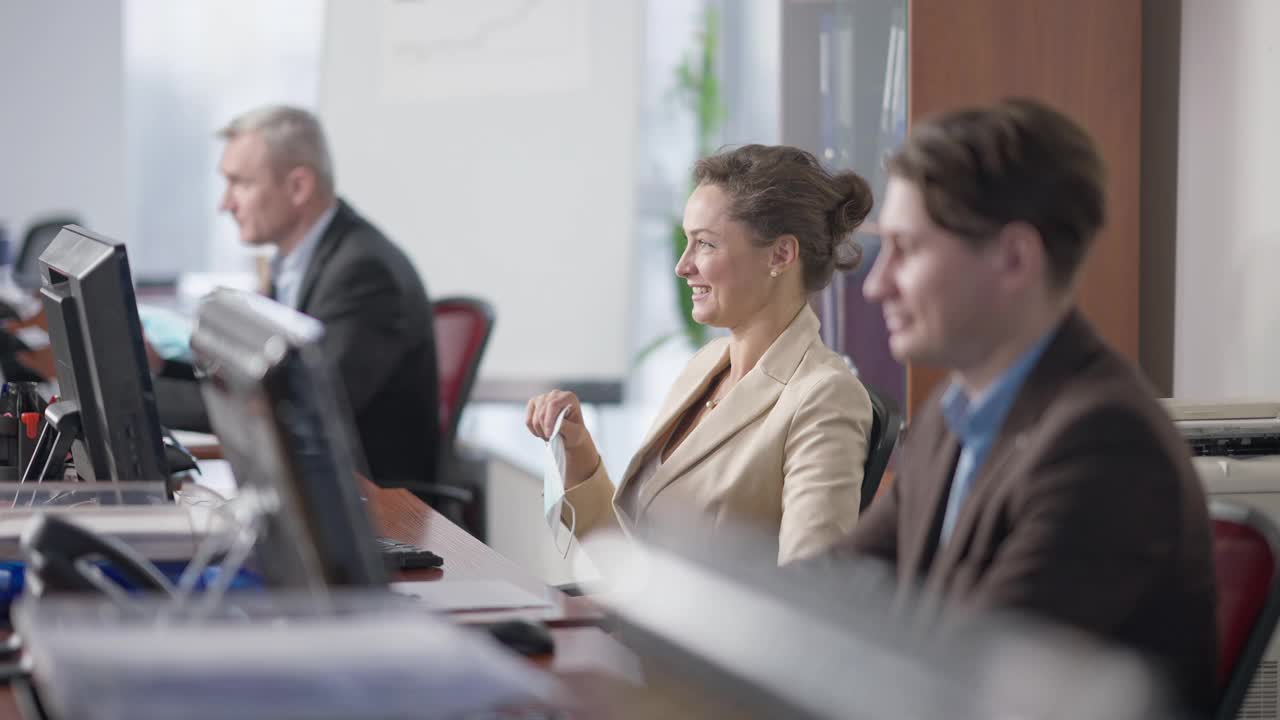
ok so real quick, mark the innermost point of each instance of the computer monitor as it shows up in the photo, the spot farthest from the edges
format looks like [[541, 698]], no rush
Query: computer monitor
[[100, 363], [282, 421]]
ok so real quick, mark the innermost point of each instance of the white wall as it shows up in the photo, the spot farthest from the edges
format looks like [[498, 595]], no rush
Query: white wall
[[496, 143], [62, 142], [1227, 321]]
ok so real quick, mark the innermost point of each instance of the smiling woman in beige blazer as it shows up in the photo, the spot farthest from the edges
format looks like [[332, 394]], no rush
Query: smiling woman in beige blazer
[[766, 427]]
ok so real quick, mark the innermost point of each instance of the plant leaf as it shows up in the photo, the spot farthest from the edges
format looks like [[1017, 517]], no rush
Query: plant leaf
[[652, 345]]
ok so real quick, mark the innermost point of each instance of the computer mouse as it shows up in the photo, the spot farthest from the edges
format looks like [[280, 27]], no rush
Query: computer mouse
[[523, 637]]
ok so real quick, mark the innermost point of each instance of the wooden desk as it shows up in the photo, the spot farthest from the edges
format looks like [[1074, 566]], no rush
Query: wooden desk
[[399, 514], [580, 646]]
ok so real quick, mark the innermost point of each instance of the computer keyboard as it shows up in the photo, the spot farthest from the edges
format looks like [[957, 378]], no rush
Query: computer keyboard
[[403, 556]]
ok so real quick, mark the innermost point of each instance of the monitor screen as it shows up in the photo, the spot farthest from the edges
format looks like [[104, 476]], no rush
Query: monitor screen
[[281, 419], [99, 359]]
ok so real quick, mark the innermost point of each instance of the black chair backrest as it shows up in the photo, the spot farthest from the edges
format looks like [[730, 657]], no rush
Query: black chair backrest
[[26, 269], [886, 424]]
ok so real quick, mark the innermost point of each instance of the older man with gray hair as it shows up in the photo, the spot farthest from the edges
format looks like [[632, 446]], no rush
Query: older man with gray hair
[[335, 266]]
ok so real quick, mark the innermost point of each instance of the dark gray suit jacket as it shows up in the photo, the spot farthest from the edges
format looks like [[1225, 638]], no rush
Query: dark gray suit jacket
[[1086, 511], [379, 336]]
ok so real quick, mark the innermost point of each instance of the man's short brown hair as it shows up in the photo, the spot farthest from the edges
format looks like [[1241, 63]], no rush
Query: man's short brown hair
[[980, 169]]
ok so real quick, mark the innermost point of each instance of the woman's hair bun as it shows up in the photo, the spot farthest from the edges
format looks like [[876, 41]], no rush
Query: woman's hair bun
[[854, 206]]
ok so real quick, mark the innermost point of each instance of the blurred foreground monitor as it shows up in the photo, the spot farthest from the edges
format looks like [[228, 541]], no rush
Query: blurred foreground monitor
[[723, 632], [350, 654]]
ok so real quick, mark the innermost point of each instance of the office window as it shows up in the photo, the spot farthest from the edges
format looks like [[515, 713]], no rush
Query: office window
[[189, 67]]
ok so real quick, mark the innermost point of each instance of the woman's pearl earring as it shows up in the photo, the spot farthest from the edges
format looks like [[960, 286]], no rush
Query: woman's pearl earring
[[773, 273]]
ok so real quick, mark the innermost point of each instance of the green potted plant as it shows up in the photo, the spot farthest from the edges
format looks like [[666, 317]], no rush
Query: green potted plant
[[697, 87]]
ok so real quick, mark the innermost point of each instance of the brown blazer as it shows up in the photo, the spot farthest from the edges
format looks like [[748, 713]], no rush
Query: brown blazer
[[1086, 511], [782, 452]]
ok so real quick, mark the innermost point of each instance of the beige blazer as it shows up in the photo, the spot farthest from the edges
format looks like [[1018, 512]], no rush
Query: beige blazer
[[782, 452]]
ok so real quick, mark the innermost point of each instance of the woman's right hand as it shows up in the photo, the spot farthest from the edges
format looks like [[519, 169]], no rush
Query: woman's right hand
[[540, 417], [580, 452]]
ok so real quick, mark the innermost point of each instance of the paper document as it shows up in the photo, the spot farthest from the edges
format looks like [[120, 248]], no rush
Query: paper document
[[470, 594], [217, 476]]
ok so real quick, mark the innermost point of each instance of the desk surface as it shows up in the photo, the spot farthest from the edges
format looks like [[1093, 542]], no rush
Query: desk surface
[[580, 647], [399, 514]]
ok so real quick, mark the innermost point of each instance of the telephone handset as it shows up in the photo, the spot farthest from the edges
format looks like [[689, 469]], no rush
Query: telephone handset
[[60, 557]]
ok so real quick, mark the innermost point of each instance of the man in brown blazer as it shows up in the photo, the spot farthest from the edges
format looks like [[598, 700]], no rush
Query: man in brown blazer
[[1044, 477]]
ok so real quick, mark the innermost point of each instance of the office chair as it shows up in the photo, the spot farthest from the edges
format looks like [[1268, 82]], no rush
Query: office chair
[[1246, 549], [26, 268], [462, 326], [886, 424]]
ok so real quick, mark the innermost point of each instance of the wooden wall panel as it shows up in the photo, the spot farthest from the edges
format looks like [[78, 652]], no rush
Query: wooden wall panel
[[1085, 58]]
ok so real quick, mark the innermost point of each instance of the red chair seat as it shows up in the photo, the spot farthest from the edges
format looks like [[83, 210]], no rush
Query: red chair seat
[[1246, 546]]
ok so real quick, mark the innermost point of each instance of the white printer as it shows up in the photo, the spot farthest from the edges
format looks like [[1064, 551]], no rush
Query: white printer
[[1236, 447], [1228, 429]]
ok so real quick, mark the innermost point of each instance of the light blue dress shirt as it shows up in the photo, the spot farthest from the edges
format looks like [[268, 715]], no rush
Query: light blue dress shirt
[[287, 271], [977, 422]]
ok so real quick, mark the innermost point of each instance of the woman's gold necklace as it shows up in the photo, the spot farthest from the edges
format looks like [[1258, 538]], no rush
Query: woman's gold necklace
[[714, 401]]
